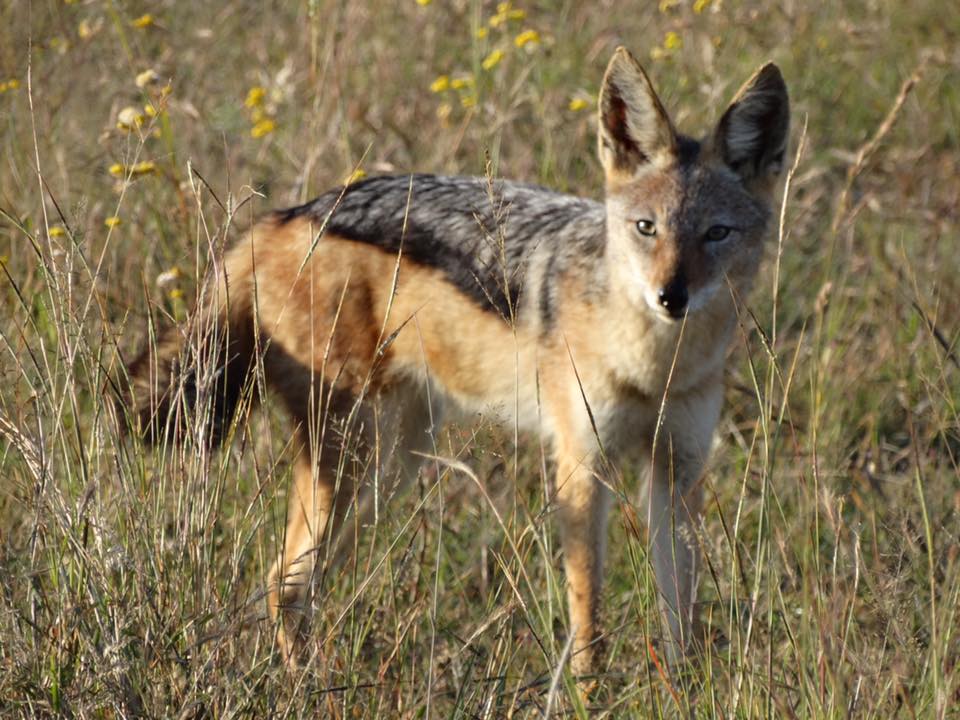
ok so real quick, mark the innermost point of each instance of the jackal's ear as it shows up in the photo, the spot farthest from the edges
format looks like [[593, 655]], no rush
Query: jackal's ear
[[751, 137], [634, 127]]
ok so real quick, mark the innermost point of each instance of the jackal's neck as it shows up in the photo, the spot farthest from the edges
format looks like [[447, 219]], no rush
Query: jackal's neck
[[650, 353]]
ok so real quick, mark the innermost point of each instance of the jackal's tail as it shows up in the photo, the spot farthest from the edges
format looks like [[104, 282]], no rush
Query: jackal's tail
[[189, 380]]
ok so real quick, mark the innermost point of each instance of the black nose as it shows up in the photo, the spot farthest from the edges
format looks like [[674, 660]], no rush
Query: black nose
[[673, 297]]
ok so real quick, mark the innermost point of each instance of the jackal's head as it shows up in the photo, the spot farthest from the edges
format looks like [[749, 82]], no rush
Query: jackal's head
[[686, 218]]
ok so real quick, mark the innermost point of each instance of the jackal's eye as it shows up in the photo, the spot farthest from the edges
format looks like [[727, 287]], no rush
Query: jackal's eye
[[717, 233], [646, 227]]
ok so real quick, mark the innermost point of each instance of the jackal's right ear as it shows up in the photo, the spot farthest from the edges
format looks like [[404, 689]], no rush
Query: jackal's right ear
[[634, 127]]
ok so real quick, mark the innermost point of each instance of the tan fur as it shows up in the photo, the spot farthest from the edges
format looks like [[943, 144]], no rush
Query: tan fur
[[355, 339]]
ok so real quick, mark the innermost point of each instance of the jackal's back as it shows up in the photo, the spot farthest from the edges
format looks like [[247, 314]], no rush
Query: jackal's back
[[496, 241]]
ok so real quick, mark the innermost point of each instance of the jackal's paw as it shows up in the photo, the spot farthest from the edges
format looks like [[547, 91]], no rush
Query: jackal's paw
[[292, 646], [585, 664], [292, 631]]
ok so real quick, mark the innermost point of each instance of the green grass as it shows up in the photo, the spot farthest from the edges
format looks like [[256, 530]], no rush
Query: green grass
[[131, 579]]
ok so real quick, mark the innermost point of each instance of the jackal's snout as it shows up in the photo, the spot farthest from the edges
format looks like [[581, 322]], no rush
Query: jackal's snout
[[673, 296]]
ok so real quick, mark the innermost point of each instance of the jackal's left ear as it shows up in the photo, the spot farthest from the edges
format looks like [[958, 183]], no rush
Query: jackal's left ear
[[634, 127], [751, 137]]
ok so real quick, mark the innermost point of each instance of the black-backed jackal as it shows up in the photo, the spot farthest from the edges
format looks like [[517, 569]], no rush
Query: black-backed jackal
[[379, 307]]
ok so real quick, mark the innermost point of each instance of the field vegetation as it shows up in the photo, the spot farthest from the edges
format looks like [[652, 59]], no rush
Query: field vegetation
[[138, 139]]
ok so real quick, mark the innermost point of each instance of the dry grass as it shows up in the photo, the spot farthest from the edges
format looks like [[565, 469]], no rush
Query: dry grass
[[131, 580]]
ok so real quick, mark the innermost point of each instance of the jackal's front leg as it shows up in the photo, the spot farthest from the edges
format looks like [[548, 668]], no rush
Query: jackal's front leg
[[673, 509], [583, 502], [673, 512]]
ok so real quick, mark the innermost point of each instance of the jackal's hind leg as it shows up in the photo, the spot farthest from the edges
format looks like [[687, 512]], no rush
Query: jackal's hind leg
[[333, 499], [319, 499]]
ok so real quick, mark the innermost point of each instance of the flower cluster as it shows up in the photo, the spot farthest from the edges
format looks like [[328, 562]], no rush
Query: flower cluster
[[144, 122], [261, 114], [501, 34], [671, 43], [138, 119], [505, 13], [88, 27]]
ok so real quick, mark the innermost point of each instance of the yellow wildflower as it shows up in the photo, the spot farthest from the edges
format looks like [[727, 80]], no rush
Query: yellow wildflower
[[464, 81], [57, 231], [176, 294], [85, 29], [358, 174], [143, 167], [504, 13], [700, 5], [112, 221], [666, 5], [482, 33], [255, 96], [672, 41], [13, 84], [578, 104], [264, 127], [167, 89], [423, 3], [440, 84], [147, 77], [468, 101], [149, 110], [491, 60], [527, 37], [144, 21]]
